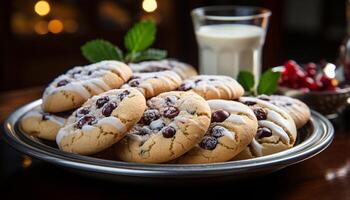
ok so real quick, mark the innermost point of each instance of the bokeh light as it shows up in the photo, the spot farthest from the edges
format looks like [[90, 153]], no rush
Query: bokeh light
[[149, 5], [40, 27], [26, 162], [42, 8], [55, 26]]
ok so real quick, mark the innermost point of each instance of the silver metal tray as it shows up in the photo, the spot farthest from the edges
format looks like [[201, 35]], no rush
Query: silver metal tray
[[316, 136]]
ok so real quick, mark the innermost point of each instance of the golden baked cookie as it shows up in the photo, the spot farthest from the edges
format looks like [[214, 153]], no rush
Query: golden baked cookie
[[101, 122], [171, 125], [153, 83], [297, 109], [73, 88], [276, 129], [184, 70], [41, 124], [213, 87], [233, 126]]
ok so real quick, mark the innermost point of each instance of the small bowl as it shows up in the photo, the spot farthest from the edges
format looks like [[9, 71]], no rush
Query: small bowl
[[329, 103]]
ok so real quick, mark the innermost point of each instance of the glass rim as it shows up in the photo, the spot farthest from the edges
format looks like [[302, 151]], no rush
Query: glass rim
[[199, 12]]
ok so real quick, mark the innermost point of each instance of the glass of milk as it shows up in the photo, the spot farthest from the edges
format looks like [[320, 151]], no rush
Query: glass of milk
[[230, 38]]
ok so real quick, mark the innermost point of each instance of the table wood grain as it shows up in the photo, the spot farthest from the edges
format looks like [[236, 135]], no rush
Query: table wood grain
[[325, 176]]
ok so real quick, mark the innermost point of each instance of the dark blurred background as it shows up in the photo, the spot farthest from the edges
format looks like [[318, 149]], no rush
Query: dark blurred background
[[41, 39]]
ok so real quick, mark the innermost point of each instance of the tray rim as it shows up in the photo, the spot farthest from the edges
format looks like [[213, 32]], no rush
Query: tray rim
[[319, 140]]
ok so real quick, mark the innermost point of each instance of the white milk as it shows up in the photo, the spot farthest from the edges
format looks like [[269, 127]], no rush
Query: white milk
[[226, 49]]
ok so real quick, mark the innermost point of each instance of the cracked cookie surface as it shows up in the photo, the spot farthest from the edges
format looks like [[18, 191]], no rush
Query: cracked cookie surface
[[101, 122], [233, 126], [41, 124], [153, 83], [276, 129], [72, 89], [297, 109], [172, 124], [213, 87], [184, 70]]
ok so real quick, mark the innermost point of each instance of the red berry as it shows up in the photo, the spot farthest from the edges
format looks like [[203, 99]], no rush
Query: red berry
[[291, 67], [301, 74], [310, 83], [311, 70], [326, 81]]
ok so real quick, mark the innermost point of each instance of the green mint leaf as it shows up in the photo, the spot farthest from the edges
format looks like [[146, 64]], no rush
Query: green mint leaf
[[246, 79], [149, 54], [98, 50], [268, 82], [140, 36]]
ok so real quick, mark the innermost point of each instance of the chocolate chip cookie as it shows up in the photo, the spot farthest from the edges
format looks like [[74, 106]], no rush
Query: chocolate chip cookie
[[73, 88], [297, 109], [182, 69], [213, 87], [41, 124], [233, 126], [172, 124], [102, 121], [153, 83], [276, 129]]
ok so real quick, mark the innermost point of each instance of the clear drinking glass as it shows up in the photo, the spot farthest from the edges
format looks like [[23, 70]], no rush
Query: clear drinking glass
[[230, 38]]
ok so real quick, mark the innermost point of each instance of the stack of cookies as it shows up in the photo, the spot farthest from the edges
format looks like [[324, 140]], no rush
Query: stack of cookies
[[162, 112]]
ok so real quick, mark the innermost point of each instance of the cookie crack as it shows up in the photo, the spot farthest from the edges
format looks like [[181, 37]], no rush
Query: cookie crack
[[225, 146], [172, 146], [144, 151]]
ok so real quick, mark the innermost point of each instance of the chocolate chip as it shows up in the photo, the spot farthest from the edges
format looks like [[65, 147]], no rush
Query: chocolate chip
[[102, 101], [143, 131], [134, 82], [154, 69], [149, 116], [87, 119], [171, 111], [82, 111], [169, 132], [124, 94], [212, 79], [288, 104], [260, 113], [170, 100], [89, 73], [208, 143], [264, 98], [75, 73], [264, 132], [134, 77], [198, 80], [185, 87], [217, 131], [249, 103], [45, 116], [108, 108], [219, 116], [192, 112], [62, 83]]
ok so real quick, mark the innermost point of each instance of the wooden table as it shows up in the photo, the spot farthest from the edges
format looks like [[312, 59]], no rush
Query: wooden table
[[326, 176]]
